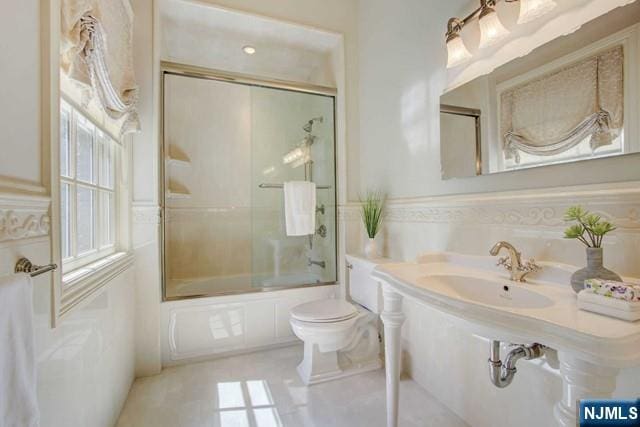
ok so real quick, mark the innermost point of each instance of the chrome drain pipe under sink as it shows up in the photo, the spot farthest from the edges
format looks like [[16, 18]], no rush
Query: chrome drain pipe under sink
[[502, 374]]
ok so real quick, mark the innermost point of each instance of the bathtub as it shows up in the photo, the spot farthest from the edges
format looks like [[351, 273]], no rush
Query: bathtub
[[225, 285], [208, 327]]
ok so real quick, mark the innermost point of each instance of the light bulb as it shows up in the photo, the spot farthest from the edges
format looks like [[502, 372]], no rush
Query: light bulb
[[457, 52], [491, 29], [249, 50], [532, 9]]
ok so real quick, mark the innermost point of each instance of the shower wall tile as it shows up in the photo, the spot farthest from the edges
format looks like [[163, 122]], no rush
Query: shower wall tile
[[208, 242], [212, 138]]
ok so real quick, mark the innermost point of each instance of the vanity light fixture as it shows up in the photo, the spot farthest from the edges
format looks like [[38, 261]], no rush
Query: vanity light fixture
[[533, 9], [491, 29], [249, 50], [457, 52]]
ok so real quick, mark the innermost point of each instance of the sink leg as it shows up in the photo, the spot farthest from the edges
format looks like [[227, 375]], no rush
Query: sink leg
[[392, 318], [581, 380]]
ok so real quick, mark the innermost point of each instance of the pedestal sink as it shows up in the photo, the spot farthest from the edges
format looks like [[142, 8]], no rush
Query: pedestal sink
[[591, 348]]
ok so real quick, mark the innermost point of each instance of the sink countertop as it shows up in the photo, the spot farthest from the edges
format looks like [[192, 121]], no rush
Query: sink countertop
[[560, 325]]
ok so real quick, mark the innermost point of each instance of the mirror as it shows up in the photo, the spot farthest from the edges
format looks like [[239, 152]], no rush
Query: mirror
[[574, 98]]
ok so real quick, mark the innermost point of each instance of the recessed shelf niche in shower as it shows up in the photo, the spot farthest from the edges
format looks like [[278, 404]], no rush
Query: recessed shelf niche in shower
[[177, 157], [177, 190]]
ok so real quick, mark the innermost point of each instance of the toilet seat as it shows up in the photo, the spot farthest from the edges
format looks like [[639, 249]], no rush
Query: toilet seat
[[324, 311]]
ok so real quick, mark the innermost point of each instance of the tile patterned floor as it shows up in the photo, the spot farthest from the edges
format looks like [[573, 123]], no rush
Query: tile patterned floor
[[263, 390]]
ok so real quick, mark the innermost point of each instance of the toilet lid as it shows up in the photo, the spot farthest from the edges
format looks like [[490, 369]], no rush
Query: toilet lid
[[327, 310]]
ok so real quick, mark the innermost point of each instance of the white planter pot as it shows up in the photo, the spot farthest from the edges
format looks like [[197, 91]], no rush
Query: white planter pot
[[371, 249]]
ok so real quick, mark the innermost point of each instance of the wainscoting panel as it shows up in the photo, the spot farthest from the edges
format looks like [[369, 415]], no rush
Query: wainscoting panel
[[202, 328]]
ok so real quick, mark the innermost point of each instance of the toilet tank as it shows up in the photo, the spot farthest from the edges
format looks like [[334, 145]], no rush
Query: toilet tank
[[363, 289]]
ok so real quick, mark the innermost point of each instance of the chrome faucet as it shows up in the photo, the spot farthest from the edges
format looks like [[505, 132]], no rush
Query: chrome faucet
[[513, 262]]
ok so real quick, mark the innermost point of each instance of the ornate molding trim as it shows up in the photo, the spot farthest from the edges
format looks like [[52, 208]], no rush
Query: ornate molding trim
[[14, 186], [619, 203], [23, 216]]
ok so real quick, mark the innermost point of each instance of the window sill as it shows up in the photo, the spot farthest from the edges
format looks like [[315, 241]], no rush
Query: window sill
[[83, 282]]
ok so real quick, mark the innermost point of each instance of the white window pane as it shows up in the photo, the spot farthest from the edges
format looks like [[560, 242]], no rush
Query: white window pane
[[65, 142], [107, 227], [86, 151], [65, 219], [85, 214], [107, 164]]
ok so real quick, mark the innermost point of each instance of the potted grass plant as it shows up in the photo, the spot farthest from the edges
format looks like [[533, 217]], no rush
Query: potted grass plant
[[372, 214], [590, 230]]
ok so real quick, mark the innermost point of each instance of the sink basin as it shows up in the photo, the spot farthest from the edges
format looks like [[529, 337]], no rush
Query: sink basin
[[499, 294], [473, 288]]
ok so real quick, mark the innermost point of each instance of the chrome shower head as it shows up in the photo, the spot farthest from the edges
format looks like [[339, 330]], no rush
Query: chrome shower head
[[309, 125]]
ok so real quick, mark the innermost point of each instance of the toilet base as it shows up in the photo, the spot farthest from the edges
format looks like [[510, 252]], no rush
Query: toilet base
[[318, 367], [340, 349]]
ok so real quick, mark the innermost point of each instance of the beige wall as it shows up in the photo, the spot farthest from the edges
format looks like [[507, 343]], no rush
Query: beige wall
[[400, 153], [339, 16], [145, 200], [208, 233], [399, 96], [85, 363], [334, 15], [20, 91]]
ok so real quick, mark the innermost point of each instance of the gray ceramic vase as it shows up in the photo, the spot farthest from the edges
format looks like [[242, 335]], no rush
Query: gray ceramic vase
[[593, 270]]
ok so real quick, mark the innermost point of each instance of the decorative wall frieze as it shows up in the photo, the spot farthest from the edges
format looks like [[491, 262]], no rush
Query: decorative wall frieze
[[23, 216], [618, 203]]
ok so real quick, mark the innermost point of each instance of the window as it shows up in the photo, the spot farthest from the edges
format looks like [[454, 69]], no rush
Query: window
[[87, 190], [597, 74]]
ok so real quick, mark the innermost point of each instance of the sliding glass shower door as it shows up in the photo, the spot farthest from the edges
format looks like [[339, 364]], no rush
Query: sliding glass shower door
[[292, 136], [229, 148]]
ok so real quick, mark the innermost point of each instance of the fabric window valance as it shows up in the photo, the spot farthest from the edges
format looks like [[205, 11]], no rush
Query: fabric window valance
[[97, 54], [555, 112]]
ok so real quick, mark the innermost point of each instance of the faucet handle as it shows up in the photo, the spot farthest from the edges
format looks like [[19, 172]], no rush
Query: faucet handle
[[504, 261], [530, 266]]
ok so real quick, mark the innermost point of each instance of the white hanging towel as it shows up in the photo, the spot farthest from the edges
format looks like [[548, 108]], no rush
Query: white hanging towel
[[300, 208], [18, 398]]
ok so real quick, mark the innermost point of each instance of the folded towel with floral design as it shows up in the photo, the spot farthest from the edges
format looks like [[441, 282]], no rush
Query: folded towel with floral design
[[612, 307], [609, 288]]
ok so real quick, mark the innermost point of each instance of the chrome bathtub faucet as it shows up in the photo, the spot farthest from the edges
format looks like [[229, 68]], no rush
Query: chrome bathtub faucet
[[513, 262]]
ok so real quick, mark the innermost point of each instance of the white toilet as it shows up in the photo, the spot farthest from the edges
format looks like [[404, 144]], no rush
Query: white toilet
[[341, 338]]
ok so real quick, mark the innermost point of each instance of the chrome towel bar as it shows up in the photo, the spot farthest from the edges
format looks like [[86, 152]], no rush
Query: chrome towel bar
[[25, 266], [319, 187]]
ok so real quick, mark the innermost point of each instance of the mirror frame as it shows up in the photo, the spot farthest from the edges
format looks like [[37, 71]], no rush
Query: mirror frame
[[475, 114]]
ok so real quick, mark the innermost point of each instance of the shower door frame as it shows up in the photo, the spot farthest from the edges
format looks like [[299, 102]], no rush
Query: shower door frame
[[192, 71]]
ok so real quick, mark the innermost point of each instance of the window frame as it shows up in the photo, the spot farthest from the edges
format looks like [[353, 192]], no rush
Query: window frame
[[101, 249], [629, 39]]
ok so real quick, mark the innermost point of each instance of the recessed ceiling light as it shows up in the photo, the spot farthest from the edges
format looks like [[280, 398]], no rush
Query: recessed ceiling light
[[249, 50]]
